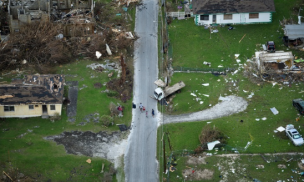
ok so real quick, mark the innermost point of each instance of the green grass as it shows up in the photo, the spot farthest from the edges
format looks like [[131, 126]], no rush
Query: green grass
[[185, 135], [245, 168], [91, 100], [261, 133], [33, 155], [183, 102], [192, 45]]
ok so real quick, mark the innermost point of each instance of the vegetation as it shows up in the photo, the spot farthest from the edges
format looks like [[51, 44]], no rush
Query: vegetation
[[192, 45]]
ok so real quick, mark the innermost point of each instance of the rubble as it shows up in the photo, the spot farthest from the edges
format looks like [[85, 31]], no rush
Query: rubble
[[54, 32]]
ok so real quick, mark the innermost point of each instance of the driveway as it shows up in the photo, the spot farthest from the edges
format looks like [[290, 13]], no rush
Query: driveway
[[140, 157], [228, 106]]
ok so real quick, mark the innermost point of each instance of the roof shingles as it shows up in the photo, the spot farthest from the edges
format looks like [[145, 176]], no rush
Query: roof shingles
[[32, 92], [232, 6]]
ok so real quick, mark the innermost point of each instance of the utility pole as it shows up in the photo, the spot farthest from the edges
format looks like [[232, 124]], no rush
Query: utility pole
[[164, 154], [169, 141]]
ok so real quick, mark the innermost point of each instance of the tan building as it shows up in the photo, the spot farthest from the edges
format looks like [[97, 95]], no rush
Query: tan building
[[28, 11], [35, 95]]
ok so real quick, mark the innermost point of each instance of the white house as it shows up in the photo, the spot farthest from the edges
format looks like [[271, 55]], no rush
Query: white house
[[208, 12]]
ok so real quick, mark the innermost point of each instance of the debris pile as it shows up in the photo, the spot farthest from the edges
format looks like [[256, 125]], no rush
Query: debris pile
[[61, 33]]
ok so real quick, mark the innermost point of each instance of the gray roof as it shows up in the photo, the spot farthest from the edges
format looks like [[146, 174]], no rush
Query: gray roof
[[294, 31], [43, 89], [232, 6]]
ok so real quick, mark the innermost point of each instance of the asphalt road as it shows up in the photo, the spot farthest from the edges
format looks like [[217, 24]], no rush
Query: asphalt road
[[140, 158]]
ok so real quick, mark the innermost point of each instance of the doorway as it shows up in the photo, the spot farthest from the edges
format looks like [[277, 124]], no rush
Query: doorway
[[214, 19], [44, 109]]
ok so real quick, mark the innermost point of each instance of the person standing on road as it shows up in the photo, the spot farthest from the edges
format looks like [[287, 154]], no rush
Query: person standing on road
[[140, 107], [147, 114], [153, 113]]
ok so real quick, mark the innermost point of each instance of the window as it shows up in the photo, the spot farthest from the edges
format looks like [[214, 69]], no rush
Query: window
[[52, 107], [253, 15], [9, 108], [204, 17], [228, 17], [31, 107], [36, 105]]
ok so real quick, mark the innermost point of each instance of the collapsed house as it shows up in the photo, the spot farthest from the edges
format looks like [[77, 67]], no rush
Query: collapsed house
[[35, 95], [278, 62], [75, 16]]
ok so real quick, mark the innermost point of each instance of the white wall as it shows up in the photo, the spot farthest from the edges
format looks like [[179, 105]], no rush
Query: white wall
[[236, 18]]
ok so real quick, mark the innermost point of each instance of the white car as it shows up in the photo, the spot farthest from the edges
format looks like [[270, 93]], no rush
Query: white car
[[294, 135]]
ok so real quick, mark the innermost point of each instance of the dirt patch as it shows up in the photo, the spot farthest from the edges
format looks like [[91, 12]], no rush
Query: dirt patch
[[228, 165], [89, 118], [281, 166], [196, 160], [192, 174], [102, 144], [97, 85]]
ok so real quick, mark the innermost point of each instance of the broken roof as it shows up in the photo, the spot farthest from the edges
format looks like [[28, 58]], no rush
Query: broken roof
[[232, 6], [46, 89], [279, 56], [294, 31]]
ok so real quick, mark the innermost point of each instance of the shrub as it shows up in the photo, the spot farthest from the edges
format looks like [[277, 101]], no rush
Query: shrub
[[106, 120], [113, 109], [112, 94], [209, 134]]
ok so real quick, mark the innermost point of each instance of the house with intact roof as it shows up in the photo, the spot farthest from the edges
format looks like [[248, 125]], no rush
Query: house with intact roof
[[208, 12], [35, 95]]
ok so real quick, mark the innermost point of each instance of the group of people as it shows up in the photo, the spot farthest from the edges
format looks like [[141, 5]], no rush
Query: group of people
[[143, 109]]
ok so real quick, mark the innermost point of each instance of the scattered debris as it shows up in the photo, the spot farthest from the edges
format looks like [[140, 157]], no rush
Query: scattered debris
[[211, 145], [280, 129], [88, 161], [98, 54], [274, 111], [108, 50], [248, 143], [160, 83]]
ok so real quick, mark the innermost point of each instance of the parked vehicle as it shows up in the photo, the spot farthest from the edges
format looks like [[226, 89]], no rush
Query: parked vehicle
[[299, 104], [270, 46], [294, 135], [159, 93]]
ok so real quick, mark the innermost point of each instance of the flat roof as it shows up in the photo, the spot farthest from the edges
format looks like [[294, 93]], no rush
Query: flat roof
[[294, 31]]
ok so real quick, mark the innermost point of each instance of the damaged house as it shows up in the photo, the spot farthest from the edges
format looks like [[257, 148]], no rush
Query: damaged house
[[208, 12], [294, 35], [277, 62], [22, 12], [75, 16], [35, 95]]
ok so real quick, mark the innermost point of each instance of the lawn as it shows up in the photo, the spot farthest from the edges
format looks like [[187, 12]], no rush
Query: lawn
[[42, 159], [237, 168], [192, 45]]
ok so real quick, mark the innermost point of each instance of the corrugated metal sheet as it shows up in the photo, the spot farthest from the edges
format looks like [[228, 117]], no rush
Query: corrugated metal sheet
[[294, 31], [276, 57]]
